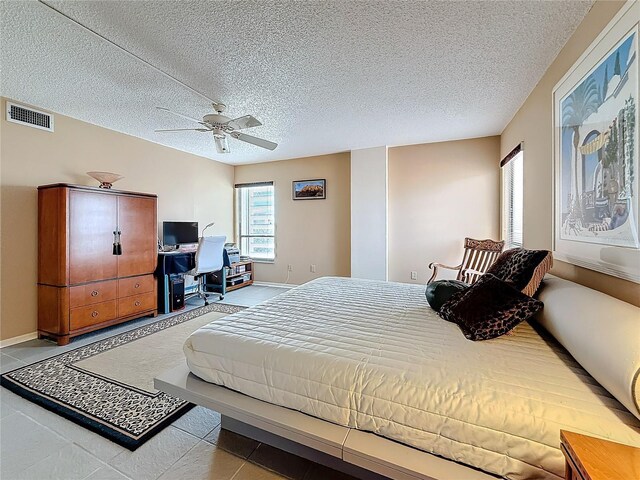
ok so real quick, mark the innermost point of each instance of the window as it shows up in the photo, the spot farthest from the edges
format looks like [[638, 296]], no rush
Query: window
[[512, 198], [256, 220]]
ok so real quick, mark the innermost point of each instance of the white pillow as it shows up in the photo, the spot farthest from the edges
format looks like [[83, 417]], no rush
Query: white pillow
[[601, 332]]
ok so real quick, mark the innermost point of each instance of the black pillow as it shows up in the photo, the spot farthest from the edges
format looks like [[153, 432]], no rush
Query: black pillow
[[489, 308], [439, 292]]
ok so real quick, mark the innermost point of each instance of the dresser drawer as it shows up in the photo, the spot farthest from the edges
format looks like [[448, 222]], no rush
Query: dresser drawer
[[138, 303], [135, 285], [88, 315], [92, 293]]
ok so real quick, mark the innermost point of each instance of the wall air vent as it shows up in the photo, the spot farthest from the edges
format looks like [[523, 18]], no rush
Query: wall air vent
[[29, 116]]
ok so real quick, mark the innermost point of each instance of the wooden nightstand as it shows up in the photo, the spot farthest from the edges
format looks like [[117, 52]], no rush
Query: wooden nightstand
[[589, 458]]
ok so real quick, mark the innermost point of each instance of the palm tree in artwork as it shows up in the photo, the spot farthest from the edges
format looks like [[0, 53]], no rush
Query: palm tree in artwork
[[578, 106]]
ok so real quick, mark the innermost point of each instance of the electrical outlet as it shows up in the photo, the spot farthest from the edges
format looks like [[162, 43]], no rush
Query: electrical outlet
[[289, 268], [313, 268], [414, 275]]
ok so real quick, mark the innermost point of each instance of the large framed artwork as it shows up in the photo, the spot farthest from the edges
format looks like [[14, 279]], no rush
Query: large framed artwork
[[595, 130]]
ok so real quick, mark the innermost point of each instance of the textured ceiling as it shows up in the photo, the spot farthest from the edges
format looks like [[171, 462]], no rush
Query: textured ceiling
[[322, 76]]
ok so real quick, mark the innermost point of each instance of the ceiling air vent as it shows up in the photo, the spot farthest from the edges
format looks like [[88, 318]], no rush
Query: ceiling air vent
[[29, 117]]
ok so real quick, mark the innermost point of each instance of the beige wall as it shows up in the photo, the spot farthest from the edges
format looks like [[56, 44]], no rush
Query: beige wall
[[440, 193], [532, 124], [188, 188], [307, 231]]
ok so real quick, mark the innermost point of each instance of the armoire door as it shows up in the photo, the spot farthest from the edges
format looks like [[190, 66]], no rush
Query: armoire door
[[139, 238], [92, 220]]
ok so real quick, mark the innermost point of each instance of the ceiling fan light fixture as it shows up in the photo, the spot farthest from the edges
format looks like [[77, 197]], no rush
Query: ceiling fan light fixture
[[222, 145]]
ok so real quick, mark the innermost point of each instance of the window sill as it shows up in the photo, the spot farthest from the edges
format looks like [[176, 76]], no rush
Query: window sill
[[255, 260]]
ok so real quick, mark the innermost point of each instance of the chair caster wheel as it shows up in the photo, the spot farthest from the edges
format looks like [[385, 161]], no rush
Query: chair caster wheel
[[221, 297], [206, 303]]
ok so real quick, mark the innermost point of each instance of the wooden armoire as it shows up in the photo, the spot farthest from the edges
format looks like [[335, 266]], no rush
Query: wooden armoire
[[97, 251]]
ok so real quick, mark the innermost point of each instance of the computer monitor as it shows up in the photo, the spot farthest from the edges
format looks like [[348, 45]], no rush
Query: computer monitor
[[179, 233]]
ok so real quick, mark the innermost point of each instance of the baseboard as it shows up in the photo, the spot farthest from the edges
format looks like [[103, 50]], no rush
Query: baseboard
[[19, 339], [271, 284]]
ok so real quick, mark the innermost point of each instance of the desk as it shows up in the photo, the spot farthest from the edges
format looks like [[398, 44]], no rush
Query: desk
[[179, 263]]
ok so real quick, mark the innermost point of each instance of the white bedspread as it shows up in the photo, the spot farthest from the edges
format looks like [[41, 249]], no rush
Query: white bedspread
[[374, 356]]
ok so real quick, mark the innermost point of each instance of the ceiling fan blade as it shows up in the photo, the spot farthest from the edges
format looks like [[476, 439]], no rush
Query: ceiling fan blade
[[247, 121], [183, 130], [222, 145], [260, 142], [180, 115]]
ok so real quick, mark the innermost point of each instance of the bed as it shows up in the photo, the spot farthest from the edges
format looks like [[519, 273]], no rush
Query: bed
[[374, 357]]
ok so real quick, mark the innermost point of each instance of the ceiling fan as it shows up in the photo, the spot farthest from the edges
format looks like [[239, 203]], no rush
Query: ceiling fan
[[222, 127]]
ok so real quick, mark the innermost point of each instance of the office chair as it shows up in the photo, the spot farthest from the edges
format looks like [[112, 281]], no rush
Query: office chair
[[209, 259]]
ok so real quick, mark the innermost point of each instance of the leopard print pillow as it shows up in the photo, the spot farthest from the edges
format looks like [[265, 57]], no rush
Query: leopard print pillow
[[450, 303], [489, 308], [522, 268]]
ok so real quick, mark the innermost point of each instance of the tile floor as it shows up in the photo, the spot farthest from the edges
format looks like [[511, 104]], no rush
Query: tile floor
[[36, 444]]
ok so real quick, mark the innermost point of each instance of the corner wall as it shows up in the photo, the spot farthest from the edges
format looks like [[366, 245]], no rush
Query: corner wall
[[440, 193], [307, 231], [533, 125], [189, 187]]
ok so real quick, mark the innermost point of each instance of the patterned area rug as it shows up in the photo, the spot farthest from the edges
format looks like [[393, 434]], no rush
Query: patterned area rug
[[101, 401]]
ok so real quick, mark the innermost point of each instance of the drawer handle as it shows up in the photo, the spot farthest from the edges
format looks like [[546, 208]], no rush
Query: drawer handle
[[137, 285], [137, 303], [94, 293], [94, 314]]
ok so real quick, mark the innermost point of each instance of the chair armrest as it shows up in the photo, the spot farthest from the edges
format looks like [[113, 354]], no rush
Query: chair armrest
[[434, 266], [441, 265], [467, 272]]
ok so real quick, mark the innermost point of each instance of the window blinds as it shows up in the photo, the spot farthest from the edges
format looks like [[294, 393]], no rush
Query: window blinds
[[254, 184], [513, 198]]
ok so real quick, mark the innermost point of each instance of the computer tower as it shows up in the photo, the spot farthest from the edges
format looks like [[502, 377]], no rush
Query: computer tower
[[176, 293]]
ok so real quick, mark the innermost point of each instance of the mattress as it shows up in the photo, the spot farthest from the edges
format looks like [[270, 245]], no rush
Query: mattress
[[374, 356]]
